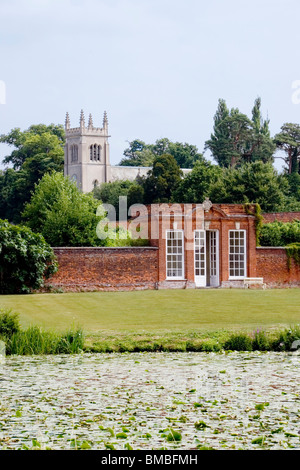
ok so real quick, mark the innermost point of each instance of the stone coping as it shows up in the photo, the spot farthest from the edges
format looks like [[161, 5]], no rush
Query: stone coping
[[270, 247], [104, 247]]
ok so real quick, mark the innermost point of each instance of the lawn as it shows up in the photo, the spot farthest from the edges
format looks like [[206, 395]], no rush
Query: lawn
[[159, 311]]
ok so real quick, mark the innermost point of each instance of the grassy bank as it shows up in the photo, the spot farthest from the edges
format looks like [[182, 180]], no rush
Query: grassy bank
[[181, 320], [33, 340], [283, 339]]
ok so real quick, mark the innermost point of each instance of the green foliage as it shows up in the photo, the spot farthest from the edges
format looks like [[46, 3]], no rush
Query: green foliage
[[109, 193], [25, 259], [162, 179], [288, 140], [141, 154], [70, 342], [9, 323], [237, 139], [255, 182], [35, 341], [174, 436], [37, 139], [238, 342], [293, 251], [62, 213], [137, 154], [38, 150], [203, 345], [258, 440], [67, 217], [292, 192], [195, 186], [200, 425], [260, 341], [283, 340], [280, 233]]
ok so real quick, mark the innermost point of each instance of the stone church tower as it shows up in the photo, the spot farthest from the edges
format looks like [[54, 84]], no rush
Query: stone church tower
[[87, 156], [87, 153]]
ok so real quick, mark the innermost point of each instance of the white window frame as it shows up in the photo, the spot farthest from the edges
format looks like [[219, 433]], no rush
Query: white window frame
[[174, 278], [235, 254]]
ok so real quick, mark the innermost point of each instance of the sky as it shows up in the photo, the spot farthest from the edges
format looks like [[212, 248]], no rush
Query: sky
[[158, 67]]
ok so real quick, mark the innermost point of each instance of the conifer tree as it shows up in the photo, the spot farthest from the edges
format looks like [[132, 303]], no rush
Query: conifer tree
[[237, 139]]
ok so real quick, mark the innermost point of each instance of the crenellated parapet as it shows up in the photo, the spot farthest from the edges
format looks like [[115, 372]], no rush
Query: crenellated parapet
[[89, 130]]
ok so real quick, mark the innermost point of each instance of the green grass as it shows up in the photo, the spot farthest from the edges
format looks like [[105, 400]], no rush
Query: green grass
[[163, 310], [159, 320]]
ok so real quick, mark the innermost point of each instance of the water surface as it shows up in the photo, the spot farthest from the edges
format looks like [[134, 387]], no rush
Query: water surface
[[144, 400]]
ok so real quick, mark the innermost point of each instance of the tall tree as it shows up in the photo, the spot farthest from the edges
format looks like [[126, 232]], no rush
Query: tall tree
[[263, 146], [37, 139], [37, 150], [62, 213], [237, 139], [288, 140], [220, 139], [162, 179]]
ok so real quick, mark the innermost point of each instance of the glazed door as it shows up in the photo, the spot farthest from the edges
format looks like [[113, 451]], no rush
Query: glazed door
[[200, 258], [213, 252]]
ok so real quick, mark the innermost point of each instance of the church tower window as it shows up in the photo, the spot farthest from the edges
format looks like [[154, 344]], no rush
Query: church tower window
[[99, 153], [95, 153], [74, 153]]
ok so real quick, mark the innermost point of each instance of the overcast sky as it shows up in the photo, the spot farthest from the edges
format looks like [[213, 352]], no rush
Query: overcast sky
[[158, 67]]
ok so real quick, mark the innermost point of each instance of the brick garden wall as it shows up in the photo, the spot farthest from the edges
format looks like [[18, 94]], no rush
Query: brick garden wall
[[110, 269], [280, 217], [271, 264], [136, 268]]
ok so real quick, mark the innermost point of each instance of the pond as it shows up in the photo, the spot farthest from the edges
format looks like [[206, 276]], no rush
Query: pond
[[151, 401]]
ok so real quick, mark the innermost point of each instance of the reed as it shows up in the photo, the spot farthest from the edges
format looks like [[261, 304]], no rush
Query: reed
[[35, 341]]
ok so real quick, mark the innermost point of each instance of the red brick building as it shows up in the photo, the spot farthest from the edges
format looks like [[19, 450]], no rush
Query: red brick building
[[202, 245]]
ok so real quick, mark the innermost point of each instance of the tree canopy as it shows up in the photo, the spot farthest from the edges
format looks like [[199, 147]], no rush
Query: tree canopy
[[25, 259], [37, 151], [288, 140], [140, 154], [255, 182], [236, 139], [195, 186], [38, 139], [109, 193], [162, 179], [62, 213]]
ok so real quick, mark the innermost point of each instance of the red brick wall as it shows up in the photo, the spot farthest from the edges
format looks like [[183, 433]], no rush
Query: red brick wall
[[281, 217], [88, 269], [271, 264]]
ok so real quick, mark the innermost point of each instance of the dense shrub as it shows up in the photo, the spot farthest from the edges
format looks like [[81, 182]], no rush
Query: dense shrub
[[283, 340], [9, 323], [260, 341], [280, 233], [238, 342], [25, 259]]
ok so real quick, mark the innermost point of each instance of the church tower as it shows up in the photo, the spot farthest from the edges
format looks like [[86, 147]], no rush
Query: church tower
[[87, 153]]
